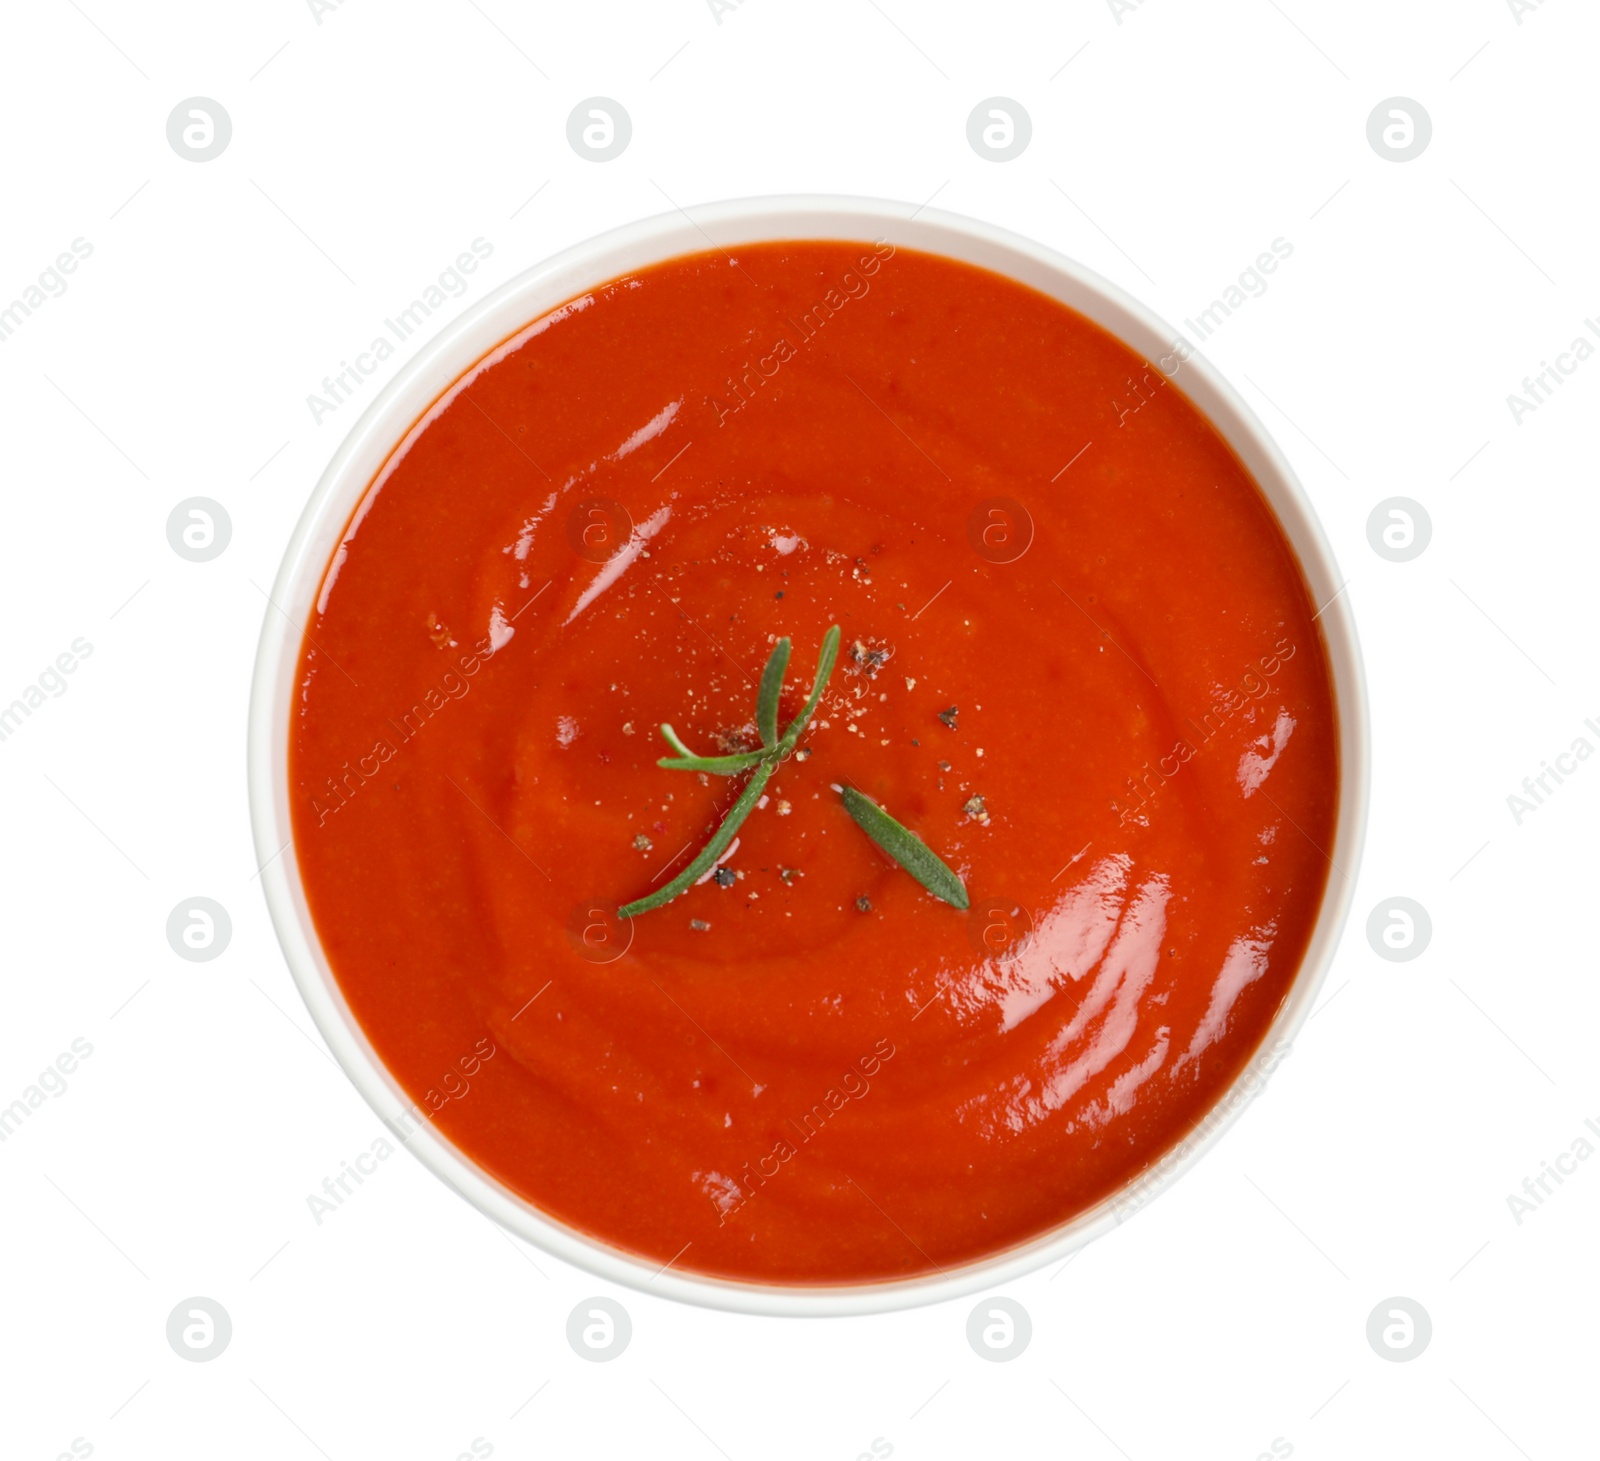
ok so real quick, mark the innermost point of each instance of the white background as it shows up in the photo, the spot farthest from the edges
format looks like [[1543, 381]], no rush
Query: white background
[[1230, 1313]]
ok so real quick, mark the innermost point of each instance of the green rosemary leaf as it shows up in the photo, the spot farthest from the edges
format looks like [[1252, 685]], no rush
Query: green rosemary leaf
[[713, 850], [687, 760], [672, 738], [716, 765], [771, 688], [760, 763], [826, 657], [907, 849]]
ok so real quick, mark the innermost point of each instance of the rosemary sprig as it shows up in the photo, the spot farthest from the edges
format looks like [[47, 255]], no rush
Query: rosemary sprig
[[767, 697], [905, 847], [686, 760], [764, 762], [708, 855], [827, 656]]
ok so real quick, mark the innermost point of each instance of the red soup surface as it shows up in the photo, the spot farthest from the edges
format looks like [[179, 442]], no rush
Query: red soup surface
[[808, 1069]]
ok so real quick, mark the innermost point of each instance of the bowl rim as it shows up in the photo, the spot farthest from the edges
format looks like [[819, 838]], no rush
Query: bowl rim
[[442, 366]]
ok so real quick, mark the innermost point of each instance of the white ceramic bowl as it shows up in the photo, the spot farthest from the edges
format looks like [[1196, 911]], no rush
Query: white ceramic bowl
[[477, 332]]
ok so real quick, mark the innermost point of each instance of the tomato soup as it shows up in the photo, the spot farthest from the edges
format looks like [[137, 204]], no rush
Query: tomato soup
[[1079, 662]]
